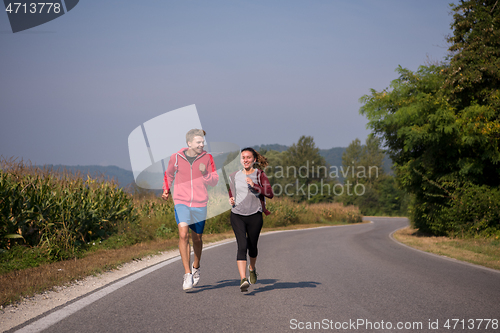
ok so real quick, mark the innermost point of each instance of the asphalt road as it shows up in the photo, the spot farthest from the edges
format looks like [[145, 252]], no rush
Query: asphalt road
[[347, 278]]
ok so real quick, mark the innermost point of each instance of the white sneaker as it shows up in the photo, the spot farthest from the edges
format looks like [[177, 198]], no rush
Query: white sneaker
[[188, 281], [196, 274]]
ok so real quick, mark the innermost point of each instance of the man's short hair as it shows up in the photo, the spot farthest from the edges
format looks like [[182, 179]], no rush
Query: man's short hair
[[194, 132]]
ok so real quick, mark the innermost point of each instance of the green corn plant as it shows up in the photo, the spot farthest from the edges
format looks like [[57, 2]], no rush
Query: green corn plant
[[58, 210]]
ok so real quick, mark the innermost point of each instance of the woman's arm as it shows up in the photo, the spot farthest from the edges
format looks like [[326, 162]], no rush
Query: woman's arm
[[265, 187]]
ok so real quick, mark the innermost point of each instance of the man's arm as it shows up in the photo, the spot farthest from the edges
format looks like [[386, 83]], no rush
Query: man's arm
[[168, 178], [210, 176], [231, 190]]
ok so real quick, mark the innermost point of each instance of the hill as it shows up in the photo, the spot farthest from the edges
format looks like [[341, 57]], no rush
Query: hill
[[122, 176], [275, 146], [333, 157]]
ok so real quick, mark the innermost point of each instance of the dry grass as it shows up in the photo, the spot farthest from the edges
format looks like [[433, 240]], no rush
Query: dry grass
[[27, 282], [484, 252], [288, 212], [336, 211]]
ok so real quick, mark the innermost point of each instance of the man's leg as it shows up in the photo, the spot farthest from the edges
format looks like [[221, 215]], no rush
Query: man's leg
[[184, 247], [196, 235], [198, 214], [197, 247], [182, 214]]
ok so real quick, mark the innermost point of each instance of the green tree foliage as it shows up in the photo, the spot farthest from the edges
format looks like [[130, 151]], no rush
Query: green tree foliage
[[305, 158], [366, 184], [299, 169], [308, 170], [275, 160], [363, 163], [441, 125], [472, 84], [373, 156], [351, 160], [473, 75]]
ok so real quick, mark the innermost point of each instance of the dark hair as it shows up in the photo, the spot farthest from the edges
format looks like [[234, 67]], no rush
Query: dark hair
[[260, 161]]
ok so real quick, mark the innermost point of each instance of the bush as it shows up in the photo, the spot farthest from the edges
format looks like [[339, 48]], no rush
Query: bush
[[474, 210], [471, 210]]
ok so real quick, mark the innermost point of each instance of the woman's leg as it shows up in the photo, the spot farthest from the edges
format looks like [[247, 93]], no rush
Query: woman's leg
[[252, 263], [254, 227], [242, 268], [241, 240]]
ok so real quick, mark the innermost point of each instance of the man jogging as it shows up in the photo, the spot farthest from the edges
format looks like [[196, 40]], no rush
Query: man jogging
[[193, 170]]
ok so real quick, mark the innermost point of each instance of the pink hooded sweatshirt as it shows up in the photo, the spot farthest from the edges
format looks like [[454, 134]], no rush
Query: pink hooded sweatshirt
[[190, 186]]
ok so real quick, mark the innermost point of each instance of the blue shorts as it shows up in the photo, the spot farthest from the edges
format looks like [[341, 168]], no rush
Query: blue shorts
[[194, 216]]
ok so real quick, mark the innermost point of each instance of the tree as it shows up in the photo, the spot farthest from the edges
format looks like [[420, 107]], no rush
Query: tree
[[420, 130], [294, 171], [373, 159], [472, 84], [351, 160], [441, 124], [275, 160], [363, 163], [473, 75], [304, 158], [379, 193]]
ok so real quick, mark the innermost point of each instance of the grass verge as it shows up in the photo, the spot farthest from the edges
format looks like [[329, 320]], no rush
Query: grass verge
[[479, 251], [27, 282]]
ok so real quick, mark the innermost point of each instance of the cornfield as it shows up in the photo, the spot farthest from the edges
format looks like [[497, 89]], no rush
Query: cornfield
[[57, 210]]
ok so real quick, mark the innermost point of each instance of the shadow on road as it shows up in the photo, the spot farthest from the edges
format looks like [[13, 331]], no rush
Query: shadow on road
[[220, 284], [270, 284]]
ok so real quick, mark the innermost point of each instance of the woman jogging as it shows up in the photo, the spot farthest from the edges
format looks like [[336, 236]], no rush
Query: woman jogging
[[248, 189]]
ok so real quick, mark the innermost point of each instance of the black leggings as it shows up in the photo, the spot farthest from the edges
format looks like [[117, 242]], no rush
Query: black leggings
[[247, 230]]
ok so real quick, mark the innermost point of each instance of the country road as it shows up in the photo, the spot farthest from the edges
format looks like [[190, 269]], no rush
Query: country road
[[344, 278]]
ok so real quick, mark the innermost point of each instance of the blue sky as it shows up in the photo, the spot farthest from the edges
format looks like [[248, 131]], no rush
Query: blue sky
[[259, 72]]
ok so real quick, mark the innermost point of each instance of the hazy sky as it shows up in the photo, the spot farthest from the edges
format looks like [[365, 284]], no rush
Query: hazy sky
[[259, 72]]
